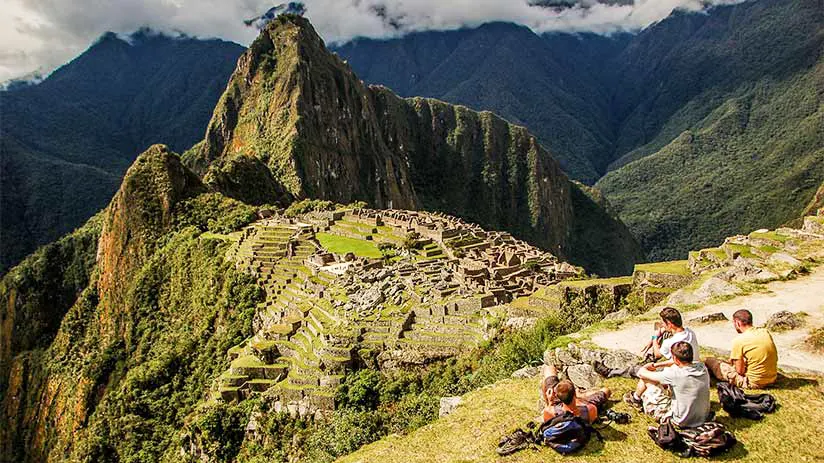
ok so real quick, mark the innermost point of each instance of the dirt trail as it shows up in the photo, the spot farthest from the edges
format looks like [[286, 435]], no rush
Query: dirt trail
[[805, 294]]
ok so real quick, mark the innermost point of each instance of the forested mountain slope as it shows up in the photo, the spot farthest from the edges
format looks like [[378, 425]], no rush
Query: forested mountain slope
[[67, 141]]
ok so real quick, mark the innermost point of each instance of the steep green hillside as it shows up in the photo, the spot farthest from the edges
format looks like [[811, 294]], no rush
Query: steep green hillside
[[113, 341], [754, 162], [602, 103], [67, 141], [295, 122], [557, 85]]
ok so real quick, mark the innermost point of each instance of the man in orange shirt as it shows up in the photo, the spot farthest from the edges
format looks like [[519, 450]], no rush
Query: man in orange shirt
[[561, 396]]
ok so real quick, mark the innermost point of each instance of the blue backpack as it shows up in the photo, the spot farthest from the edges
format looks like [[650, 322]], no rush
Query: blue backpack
[[566, 433]]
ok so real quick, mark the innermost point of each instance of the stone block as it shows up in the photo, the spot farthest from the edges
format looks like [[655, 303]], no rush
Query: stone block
[[448, 405]]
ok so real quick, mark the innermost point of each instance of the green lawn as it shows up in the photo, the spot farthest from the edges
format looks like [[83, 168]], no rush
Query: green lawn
[[675, 267], [596, 281], [471, 433], [342, 245]]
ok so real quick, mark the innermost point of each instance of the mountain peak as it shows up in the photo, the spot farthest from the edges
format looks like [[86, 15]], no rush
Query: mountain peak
[[295, 122], [297, 118]]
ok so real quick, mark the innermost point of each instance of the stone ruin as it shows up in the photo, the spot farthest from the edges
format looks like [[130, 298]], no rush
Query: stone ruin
[[327, 313]]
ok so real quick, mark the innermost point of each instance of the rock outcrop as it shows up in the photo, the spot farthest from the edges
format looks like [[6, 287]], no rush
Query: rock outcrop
[[55, 385], [295, 122], [139, 214]]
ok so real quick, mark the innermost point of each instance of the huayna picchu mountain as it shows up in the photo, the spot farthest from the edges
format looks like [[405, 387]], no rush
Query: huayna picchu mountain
[[201, 295], [295, 122]]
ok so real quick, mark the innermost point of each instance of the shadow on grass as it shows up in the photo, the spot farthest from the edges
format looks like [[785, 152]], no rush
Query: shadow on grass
[[792, 383], [737, 452]]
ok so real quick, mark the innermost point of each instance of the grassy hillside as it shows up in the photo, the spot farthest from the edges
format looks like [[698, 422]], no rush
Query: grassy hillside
[[471, 433]]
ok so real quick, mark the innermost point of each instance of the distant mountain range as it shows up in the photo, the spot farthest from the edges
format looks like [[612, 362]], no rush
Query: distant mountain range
[[723, 112], [699, 127], [68, 140]]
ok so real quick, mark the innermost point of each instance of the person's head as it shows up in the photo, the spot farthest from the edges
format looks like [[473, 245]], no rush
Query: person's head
[[742, 320], [682, 353], [565, 392], [671, 318]]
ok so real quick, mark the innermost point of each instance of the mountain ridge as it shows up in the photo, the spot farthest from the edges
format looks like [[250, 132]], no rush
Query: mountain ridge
[[296, 118]]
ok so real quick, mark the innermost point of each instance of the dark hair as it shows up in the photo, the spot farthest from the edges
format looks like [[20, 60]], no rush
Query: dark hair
[[565, 391], [682, 350], [744, 316], [669, 314]]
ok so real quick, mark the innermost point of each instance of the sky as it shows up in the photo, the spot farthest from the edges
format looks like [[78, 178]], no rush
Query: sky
[[37, 36]]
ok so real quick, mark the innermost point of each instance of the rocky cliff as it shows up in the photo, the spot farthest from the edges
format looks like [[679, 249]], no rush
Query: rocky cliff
[[296, 122], [76, 315]]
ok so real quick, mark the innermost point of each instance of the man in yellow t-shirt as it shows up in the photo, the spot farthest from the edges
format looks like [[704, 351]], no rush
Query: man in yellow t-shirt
[[753, 361]]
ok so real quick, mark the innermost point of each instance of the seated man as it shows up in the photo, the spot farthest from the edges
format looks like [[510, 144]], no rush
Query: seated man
[[660, 345], [679, 392], [753, 360], [561, 396]]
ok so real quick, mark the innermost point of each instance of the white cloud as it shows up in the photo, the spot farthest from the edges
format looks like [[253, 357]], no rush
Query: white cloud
[[43, 34]]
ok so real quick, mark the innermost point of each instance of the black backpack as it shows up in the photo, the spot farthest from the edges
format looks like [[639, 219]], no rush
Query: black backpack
[[708, 439], [738, 404], [566, 433], [711, 438], [665, 436]]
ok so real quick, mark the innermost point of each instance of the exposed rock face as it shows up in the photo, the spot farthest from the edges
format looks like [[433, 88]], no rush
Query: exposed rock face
[[295, 122], [138, 215], [45, 407], [298, 116]]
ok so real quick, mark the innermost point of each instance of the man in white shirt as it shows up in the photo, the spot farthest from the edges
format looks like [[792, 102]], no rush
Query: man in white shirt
[[675, 325], [679, 392], [671, 323]]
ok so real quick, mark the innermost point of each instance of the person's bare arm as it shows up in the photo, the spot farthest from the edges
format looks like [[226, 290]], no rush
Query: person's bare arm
[[663, 363], [656, 348], [648, 373], [740, 366]]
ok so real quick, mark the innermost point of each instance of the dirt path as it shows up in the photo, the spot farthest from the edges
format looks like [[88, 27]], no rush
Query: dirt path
[[805, 294]]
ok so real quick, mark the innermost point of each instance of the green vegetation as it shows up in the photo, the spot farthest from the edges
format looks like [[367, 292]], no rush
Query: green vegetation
[[62, 163], [36, 295], [487, 414], [372, 404], [597, 281], [343, 245], [678, 267], [308, 205]]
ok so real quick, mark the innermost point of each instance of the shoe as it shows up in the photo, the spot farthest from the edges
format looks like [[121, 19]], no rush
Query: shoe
[[601, 369], [629, 398], [518, 440], [617, 417]]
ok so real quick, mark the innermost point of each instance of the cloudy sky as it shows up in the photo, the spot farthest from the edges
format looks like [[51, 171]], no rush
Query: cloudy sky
[[39, 35]]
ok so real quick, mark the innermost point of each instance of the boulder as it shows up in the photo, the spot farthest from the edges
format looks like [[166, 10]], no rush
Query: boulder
[[448, 405], [619, 315], [620, 359], [713, 287], [784, 321], [526, 372], [584, 376], [710, 318], [749, 271], [780, 258]]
